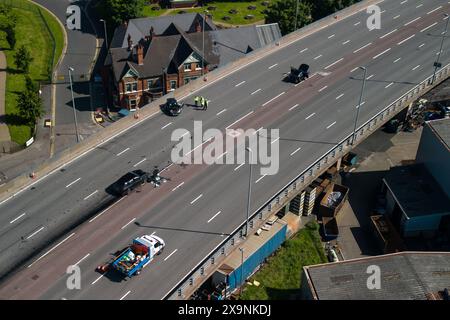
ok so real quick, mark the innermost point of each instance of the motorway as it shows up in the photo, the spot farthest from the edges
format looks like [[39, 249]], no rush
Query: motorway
[[193, 211]]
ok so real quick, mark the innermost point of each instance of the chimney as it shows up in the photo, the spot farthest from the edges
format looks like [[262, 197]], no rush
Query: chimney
[[130, 43], [140, 54]]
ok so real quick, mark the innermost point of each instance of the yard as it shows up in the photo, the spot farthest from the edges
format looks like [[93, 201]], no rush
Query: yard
[[31, 31], [280, 278], [222, 11]]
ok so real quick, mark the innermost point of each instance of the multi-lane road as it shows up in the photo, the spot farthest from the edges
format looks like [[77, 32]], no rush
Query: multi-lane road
[[202, 204]]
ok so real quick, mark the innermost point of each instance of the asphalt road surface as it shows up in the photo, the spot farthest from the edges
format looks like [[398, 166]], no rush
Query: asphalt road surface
[[201, 204]]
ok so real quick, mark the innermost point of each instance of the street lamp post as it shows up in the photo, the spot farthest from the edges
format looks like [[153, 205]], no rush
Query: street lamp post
[[203, 41], [249, 189], [359, 105], [242, 271], [437, 64], [73, 104]]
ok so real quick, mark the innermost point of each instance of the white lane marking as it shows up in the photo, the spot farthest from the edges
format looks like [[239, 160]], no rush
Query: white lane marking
[[237, 168], [293, 107], [166, 125], [323, 88], [404, 1], [421, 45], [397, 60], [140, 162], [222, 155], [430, 26], [370, 77], [56, 246], [115, 203], [430, 12], [14, 220], [193, 201], [345, 42], [90, 195], [178, 186], [303, 50], [420, 5], [311, 115], [214, 216], [73, 182], [275, 140], [240, 83], [273, 66], [354, 69], [127, 223], [403, 41], [186, 134], [170, 254], [79, 261], [256, 91], [380, 54], [363, 47], [93, 282], [396, 17], [239, 120], [385, 35], [416, 67], [336, 62], [267, 102], [257, 131], [36, 232], [390, 84], [331, 125], [317, 57], [262, 177], [153, 233], [123, 297], [339, 96], [362, 103], [359, 22], [122, 152], [295, 151], [414, 20], [220, 112], [331, 36]]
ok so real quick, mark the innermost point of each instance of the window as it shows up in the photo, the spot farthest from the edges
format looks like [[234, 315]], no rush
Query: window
[[187, 66], [131, 87], [154, 84], [173, 84], [132, 103]]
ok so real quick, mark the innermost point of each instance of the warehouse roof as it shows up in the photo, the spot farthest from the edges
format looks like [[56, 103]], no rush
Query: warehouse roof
[[404, 276], [441, 128]]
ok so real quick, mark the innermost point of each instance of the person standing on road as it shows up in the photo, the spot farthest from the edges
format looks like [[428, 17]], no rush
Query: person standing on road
[[205, 104], [196, 100], [202, 102]]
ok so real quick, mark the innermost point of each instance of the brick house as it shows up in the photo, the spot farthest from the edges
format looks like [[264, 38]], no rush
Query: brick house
[[151, 56]]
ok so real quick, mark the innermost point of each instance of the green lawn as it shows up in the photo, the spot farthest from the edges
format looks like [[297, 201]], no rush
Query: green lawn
[[31, 32], [280, 278], [222, 10]]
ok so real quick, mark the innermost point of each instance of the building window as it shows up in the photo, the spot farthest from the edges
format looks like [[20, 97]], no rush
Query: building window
[[198, 66], [187, 66], [133, 103], [154, 84], [173, 84], [131, 87]]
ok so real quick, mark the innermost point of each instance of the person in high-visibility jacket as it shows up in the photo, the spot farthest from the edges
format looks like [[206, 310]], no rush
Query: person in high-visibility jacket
[[196, 100], [202, 102]]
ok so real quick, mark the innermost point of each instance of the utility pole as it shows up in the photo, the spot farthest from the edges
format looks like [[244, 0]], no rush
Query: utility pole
[[203, 41], [73, 104], [296, 15], [359, 105], [437, 64], [242, 272], [249, 190]]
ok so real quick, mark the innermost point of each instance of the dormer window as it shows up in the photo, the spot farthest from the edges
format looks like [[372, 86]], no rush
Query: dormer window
[[131, 87], [187, 66]]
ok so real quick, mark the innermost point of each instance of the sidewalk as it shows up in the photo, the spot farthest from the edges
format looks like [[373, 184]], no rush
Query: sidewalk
[[5, 138]]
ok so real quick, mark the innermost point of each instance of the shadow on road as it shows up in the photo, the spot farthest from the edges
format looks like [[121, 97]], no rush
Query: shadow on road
[[182, 230]]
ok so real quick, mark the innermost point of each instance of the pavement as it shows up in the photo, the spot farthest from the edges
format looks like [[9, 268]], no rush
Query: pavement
[[5, 138], [312, 117]]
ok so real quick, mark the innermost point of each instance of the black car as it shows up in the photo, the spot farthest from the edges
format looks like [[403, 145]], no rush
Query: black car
[[129, 181], [300, 74], [172, 107]]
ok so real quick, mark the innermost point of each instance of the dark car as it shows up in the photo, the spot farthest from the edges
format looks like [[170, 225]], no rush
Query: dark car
[[173, 107], [129, 181], [300, 74]]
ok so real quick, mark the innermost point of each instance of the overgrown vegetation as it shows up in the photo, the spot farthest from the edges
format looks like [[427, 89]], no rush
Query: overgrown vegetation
[[280, 277]]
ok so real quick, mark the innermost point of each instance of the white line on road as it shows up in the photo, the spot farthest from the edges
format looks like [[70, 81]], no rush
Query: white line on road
[[416, 67], [331, 36], [414, 20], [90, 195], [336, 62], [273, 66], [359, 22], [256, 91], [214, 216], [123, 297], [430, 26], [397, 60], [82, 259], [311, 115], [139, 162], [178, 186], [295, 151], [275, 140], [170, 254], [239, 119], [420, 5], [403, 41], [339, 96], [220, 112], [266, 103], [73, 182], [166, 125], [421, 45], [354, 69], [390, 84], [127, 223], [260, 179], [193, 201], [304, 50], [240, 83], [362, 103], [317, 57], [34, 233], [293, 107], [237, 168], [363, 47], [430, 12], [257, 131], [115, 203], [370, 77], [222, 155], [396, 17], [404, 1], [345, 42], [323, 88], [56, 246], [331, 125], [122, 152], [93, 282], [385, 35], [380, 54], [14, 220]]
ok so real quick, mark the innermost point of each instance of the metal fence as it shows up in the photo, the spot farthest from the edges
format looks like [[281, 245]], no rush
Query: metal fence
[[213, 260]]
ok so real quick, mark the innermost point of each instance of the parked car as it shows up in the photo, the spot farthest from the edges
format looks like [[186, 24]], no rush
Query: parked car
[[129, 182]]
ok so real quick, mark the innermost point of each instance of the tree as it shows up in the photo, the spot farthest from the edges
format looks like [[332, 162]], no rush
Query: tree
[[118, 11], [23, 59], [284, 12], [323, 8], [30, 107], [8, 22]]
